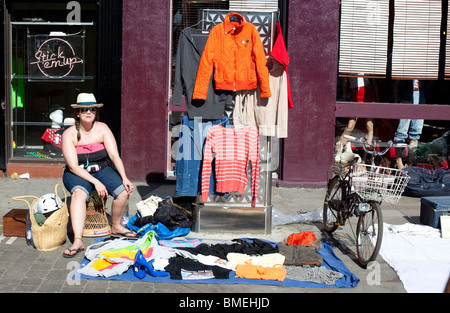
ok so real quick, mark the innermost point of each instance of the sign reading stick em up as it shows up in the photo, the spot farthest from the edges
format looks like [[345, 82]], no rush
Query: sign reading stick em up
[[56, 57]]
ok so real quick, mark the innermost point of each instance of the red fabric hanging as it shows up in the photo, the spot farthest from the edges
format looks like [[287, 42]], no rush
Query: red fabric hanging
[[279, 53]]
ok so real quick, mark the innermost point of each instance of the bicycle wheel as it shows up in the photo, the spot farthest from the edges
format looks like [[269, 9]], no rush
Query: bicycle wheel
[[333, 202], [369, 234]]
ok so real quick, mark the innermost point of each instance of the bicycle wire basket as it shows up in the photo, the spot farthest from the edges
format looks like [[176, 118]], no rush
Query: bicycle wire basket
[[378, 183]]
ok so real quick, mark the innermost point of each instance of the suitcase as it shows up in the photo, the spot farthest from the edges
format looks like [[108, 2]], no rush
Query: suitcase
[[431, 209], [14, 223]]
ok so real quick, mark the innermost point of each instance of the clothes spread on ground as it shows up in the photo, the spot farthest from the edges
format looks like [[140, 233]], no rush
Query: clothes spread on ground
[[317, 275], [266, 260], [251, 271], [172, 216], [186, 243], [232, 149], [300, 255], [193, 259], [250, 247], [177, 264], [114, 257], [148, 206], [302, 238], [168, 221]]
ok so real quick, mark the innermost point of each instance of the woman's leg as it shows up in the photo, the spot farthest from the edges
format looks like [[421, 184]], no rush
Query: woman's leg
[[347, 131], [78, 218], [119, 205], [369, 136], [113, 182], [369, 129]]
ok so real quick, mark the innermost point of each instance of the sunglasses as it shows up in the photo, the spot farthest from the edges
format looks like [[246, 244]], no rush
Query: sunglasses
[[92, 110]]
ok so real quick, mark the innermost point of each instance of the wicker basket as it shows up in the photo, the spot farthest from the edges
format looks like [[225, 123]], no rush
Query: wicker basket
[[52, 234], [96, 224], [379, 184]]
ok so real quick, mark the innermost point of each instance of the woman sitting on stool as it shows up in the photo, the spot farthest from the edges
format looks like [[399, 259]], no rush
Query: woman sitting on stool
[[87, 147]]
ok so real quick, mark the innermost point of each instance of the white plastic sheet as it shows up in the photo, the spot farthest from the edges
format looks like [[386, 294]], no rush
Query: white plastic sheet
[[279, 218]]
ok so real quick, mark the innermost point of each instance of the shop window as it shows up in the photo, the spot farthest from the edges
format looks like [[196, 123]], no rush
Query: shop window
[[385, 45], [51, 61], [394, 52], [428, 140]]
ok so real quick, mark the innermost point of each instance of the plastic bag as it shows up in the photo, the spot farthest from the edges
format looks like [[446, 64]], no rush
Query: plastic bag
[[148, 206], [279, 218], [160, 229]]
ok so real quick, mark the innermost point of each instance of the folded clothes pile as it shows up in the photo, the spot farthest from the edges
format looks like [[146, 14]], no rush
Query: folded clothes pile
[[194, 259]]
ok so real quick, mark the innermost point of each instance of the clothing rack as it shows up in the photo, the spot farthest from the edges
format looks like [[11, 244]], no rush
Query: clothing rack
[[234, 212]]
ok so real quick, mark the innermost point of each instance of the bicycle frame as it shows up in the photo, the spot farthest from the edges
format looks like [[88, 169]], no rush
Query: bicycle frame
[[350, 200]]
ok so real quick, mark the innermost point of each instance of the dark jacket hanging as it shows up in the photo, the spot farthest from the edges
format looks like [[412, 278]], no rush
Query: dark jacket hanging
[[190, 48]]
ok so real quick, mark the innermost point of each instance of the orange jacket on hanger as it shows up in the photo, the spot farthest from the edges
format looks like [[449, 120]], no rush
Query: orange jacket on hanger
[[235, 52]]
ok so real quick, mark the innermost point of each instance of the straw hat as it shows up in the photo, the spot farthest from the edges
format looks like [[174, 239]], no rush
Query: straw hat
[[86, 100]]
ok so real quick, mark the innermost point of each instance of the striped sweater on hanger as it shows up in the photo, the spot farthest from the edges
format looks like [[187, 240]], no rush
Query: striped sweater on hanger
[[232, 150]]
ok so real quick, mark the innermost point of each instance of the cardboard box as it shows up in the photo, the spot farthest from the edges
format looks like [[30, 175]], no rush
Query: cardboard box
[[14, 223]]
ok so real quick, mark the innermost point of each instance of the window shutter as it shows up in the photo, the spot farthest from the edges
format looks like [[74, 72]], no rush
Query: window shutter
[[267, 5], [447, 50], [363, 40], [416, 39]]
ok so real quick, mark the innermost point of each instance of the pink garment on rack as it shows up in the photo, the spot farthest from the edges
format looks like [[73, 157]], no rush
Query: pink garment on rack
[[233, 149]]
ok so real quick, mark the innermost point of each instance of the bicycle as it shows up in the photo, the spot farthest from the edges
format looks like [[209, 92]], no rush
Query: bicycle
[[358, 189]]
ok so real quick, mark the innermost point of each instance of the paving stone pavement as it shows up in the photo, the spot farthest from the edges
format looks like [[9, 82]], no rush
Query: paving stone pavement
[[24, 269]]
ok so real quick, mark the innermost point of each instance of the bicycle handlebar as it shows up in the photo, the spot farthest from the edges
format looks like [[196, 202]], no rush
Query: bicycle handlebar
[[366, 145]]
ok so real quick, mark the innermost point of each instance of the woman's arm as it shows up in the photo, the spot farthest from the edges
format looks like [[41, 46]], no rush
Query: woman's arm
[[111, 148]]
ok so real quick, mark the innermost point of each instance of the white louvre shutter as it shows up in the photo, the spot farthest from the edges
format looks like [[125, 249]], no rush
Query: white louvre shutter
[[416, 41], [364, 37], [447, 50], [267, 5]]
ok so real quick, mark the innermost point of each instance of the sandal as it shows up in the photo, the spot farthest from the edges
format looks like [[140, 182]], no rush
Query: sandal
[[124, 234], [72, 250]]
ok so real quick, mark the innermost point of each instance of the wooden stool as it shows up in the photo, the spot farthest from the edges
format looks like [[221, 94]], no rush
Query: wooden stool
[[96, 224]]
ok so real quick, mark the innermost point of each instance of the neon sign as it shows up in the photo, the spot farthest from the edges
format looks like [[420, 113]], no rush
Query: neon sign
[[56, 57]]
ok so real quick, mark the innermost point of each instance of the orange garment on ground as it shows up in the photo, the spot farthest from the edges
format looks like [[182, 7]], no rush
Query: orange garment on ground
[[235, 52], [303, 238], [250, 271]]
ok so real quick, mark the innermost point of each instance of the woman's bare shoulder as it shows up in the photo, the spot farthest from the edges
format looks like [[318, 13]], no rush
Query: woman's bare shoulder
[[70, 131], [101, 126], [70, 134]]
